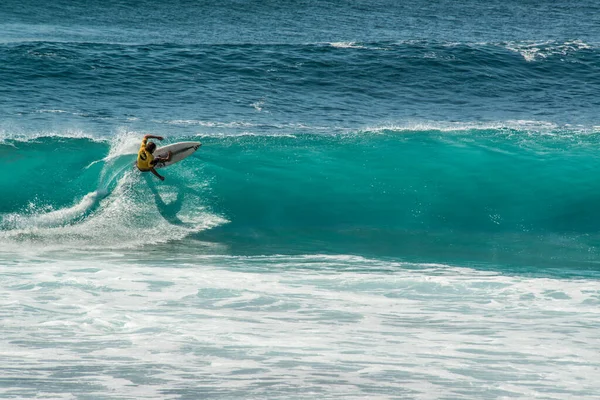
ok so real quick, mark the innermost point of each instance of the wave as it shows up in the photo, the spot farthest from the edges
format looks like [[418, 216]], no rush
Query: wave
[[265, 88], [378, 190], [126, 141], [530, 50]]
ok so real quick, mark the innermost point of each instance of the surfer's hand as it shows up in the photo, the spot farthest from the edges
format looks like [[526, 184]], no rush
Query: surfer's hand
[[159, 137], [162, 178]]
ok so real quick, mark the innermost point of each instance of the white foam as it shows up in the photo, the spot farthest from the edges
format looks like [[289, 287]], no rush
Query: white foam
[[53, 218], [346, 45], [258, 105], [527, 126], [536, 51], [127, 217], [371, 330], [123, 143], [209, 124], [53, 111]]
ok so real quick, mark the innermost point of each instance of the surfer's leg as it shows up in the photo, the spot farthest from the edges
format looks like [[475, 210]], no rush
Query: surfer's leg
[[159, 176]]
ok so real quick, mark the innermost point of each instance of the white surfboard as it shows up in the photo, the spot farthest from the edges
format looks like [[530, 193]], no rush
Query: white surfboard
[[179, 151]]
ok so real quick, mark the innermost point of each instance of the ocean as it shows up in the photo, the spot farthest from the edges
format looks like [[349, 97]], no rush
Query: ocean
[[393, 200]]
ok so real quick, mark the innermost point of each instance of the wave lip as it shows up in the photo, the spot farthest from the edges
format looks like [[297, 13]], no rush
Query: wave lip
[[8, 135]]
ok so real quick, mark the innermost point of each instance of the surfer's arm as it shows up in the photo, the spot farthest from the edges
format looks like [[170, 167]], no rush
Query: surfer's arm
[[146, 137], [162, 158], [159, 176], [168, 157]]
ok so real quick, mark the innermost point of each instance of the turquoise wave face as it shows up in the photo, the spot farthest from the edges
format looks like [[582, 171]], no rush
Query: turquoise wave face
[[48, 171], [385, 192]]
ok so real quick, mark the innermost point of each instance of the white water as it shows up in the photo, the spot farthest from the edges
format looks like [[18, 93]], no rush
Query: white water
[[122, 325]]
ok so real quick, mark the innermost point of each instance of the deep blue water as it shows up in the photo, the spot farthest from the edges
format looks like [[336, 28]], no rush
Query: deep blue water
[[332, 65], [422, 176]]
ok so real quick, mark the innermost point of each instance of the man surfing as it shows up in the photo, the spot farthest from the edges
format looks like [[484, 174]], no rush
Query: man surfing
[[146, 161]]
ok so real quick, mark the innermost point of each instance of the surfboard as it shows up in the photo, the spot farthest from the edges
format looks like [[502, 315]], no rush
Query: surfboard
[[179, 151]]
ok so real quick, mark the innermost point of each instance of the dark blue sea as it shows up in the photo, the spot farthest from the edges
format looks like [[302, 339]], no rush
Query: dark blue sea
[[393, 200]]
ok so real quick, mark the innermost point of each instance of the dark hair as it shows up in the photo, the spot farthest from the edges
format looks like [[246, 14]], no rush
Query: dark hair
[[151, 147]]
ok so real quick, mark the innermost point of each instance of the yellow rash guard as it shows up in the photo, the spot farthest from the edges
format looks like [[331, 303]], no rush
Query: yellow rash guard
[[144, 160]]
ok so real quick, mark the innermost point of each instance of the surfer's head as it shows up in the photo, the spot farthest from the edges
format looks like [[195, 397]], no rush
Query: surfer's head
[[150, 147]]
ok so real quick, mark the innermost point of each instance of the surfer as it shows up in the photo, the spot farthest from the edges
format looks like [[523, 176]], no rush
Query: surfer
[[146, 161]]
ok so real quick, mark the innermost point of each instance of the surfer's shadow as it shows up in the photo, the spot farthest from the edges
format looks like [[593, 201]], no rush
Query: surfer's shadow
[[169, 211]]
